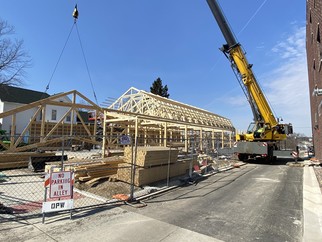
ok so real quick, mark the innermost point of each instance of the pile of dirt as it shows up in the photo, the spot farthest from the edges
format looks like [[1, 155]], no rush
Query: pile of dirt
[[107, 188]]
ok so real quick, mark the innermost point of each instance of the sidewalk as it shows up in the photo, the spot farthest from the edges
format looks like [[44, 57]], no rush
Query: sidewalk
[[113, 225], [312, 207], [116, 224]]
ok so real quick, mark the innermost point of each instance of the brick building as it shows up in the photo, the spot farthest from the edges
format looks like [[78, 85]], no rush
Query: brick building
[[314, 61]]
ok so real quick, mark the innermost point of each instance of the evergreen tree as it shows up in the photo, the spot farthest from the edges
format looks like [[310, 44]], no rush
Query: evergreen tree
[[158, 88]]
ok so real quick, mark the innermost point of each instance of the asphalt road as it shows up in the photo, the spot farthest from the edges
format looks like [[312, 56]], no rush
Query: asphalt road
[[253, 203]]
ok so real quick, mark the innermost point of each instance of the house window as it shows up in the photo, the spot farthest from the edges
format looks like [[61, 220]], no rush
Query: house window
[[312, 38], [53, 114], [68, 118], [318, 39], [310, 16]]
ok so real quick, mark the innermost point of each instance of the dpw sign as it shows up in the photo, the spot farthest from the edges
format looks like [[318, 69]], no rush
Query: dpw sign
[[55, 206]]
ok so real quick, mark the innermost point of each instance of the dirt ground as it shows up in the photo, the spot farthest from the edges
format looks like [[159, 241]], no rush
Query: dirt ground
[[111, 186], [106, 188]]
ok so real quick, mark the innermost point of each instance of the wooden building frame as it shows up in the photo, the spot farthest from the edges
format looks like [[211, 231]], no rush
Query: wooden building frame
[[141, 113], [77, 103], [148, 118]]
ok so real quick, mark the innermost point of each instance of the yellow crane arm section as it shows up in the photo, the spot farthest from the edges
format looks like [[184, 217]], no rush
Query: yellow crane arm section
[[249, 80]]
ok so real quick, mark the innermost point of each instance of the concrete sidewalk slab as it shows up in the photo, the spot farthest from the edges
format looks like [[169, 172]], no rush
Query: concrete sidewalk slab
[[116, 224], [312, 207], [112, 225]]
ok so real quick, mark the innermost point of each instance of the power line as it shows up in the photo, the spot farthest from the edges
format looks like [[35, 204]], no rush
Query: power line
[[61, 54], [252, 17], [89, 75], [75, 16]]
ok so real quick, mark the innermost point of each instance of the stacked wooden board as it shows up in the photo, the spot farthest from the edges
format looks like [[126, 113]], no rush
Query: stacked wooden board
[[19, 159], [151, 165], [151, 155], [98, 169]]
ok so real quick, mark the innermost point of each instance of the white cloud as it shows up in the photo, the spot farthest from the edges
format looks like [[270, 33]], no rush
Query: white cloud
[[288, 89]]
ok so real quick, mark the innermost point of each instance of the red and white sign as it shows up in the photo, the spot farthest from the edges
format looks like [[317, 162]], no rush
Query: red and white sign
[[47, 180], [60, 184]]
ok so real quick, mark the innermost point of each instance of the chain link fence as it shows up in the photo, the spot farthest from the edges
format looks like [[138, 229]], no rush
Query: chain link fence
[[123, 169]]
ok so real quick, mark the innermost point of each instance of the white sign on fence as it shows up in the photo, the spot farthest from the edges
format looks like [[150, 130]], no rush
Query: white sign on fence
[[125, 140], [60, 184], [55, 206]]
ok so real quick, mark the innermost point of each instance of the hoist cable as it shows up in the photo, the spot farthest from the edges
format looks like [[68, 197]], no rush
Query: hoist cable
[[61, 54], [89, 75]]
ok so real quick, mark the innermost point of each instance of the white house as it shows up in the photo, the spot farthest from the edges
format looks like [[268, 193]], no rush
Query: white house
[[14, 97]]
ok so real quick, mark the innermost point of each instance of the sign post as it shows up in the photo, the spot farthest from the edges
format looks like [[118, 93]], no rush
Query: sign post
[[60, 185]]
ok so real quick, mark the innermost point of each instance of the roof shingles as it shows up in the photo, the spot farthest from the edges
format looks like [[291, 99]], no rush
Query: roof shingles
[[20, 95]]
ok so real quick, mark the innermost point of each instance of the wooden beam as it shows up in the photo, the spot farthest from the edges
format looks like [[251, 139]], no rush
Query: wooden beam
[[57, 124], [13, 130], [104, 137], [43, 122], [26, 128]]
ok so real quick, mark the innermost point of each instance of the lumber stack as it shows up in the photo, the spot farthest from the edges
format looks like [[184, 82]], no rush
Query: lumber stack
[[144, 176], [100, 169], [151, 156], [19, 159], [151, 165]]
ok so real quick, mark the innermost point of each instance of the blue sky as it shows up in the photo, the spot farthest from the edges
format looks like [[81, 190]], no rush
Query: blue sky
[[132, 43]]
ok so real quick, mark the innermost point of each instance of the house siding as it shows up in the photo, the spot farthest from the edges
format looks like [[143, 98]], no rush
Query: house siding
[[22, 118]]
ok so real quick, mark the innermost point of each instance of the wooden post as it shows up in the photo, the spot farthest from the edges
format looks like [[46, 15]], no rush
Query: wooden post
[[13, 130], [165, 135], [160, 135], [145, 136], [104, 135], [72, 115], [222, 139], [186, 138], [213, 139], [200, 140], [95, 125], [43, 121], [136, 130]]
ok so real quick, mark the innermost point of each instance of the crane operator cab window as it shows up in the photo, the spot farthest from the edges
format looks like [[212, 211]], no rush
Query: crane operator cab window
[[259, 129], [251, 128]]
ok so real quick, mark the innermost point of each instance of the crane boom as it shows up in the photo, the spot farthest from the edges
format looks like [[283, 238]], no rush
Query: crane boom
[[239, 60], [265, 130]]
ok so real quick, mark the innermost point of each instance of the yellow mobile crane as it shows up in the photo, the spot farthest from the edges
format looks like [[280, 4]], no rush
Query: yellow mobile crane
[[265, 132]]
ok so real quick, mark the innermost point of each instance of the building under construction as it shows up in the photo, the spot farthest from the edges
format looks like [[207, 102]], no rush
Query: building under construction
[[148, 119]]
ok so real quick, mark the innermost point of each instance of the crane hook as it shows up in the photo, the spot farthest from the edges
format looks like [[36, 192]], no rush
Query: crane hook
[[75, 14]]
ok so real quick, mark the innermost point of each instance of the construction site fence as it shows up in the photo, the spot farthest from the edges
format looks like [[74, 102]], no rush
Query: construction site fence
[[99, 173]]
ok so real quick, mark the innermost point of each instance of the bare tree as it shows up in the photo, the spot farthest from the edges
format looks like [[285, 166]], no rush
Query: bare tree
[[13, 59]]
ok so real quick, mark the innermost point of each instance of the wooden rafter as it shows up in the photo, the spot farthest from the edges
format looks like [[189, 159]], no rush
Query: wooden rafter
[[40, 106], [144, 103]]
